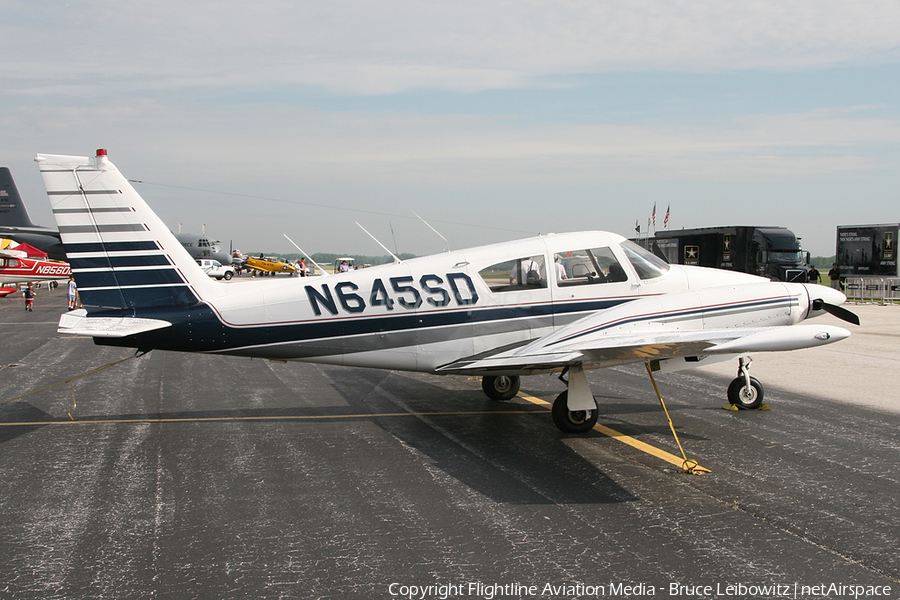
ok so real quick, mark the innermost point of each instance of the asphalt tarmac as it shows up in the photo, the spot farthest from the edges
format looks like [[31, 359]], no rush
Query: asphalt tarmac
[[194, 476]]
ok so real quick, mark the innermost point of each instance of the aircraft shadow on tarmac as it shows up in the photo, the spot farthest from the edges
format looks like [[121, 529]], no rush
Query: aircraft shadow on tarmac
[[21, 412], [496, 448], [496, 456], [492, 447]]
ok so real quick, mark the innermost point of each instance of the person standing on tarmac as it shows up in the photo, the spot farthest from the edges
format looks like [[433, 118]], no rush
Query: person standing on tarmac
[[29, 294], [813, 276], [835, 275], [72, 292]]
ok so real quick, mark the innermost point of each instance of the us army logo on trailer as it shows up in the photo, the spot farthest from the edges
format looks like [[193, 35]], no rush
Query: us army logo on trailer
[[692, 255]]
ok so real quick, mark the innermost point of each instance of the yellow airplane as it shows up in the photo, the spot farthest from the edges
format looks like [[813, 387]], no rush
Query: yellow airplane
[[269, 266]]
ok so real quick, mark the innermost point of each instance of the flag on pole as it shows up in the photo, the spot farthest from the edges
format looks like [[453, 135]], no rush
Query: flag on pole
[[654, 214], [637, 227], [666, 220]]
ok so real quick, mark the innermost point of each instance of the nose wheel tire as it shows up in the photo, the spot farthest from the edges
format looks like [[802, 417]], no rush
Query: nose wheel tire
[[572, 421], [742, 396], [500, 387]]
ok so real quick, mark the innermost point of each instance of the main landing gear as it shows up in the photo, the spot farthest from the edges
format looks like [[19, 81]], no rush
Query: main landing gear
[[572, 421], [500, 387], [575, 410], [578, 416], [745, 392]]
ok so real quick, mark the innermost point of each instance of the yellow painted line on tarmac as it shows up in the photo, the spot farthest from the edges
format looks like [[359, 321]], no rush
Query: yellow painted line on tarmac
[[621, 437], [260, 418], [607, 431]]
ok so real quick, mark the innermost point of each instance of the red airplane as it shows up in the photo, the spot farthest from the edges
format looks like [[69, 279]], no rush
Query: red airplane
[[18, 269]]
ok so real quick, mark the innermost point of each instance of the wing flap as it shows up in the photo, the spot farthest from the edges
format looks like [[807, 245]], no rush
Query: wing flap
[[503, 363], [596, 353], [78, 323]]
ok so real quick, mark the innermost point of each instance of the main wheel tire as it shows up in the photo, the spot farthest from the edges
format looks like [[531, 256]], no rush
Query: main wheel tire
[[500, 387], [742, 396], [572, 421]]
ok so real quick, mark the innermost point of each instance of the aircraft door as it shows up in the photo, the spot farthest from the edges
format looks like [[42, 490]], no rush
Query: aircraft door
[[520, 301]]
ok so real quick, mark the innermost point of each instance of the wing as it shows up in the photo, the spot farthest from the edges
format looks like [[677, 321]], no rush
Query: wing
[[688, 326]]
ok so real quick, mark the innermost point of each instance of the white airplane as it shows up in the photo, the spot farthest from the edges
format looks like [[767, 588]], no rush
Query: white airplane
[[566, 302]]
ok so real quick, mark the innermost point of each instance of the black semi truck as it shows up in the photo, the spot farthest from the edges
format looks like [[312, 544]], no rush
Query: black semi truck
[[772, 252]]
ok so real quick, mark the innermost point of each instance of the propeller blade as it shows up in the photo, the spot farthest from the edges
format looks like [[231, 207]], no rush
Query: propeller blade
[[838, 311]]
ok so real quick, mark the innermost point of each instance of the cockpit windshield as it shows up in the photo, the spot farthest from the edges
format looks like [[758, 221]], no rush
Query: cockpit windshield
[[647, 264], [786, 258]]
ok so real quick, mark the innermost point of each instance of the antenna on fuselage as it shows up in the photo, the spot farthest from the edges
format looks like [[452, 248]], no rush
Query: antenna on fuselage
[[434, 230], [396, 258], [324, 272]]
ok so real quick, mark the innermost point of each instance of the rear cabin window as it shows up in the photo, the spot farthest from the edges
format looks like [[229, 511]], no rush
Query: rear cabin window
[[526, 273], [589, 267]]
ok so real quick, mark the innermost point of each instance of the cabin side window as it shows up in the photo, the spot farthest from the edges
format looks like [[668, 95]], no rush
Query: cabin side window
[[526, 273], [588, 267]]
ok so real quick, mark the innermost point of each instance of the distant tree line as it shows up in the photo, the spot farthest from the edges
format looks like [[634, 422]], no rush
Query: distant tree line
[[820, 262]]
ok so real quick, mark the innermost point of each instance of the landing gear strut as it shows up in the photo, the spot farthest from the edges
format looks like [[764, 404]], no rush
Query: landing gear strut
[[744, 391], [501, 387]]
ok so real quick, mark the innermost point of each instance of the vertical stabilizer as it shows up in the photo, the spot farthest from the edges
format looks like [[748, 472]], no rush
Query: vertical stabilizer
[[12, 211], [121, 253]]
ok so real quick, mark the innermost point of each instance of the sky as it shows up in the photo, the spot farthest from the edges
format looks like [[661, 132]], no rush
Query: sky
[[489, 120]]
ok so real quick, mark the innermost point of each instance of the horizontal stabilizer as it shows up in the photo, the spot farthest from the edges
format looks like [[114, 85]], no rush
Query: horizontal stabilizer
[[78, 323]]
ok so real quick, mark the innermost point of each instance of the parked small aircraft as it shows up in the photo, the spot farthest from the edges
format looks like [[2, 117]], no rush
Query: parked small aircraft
[[565, 302], [15, 224], [19, 269], [268, 265]]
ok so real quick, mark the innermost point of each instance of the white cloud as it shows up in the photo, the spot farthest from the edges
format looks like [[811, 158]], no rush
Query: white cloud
[[137, 78], [396, 45]]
